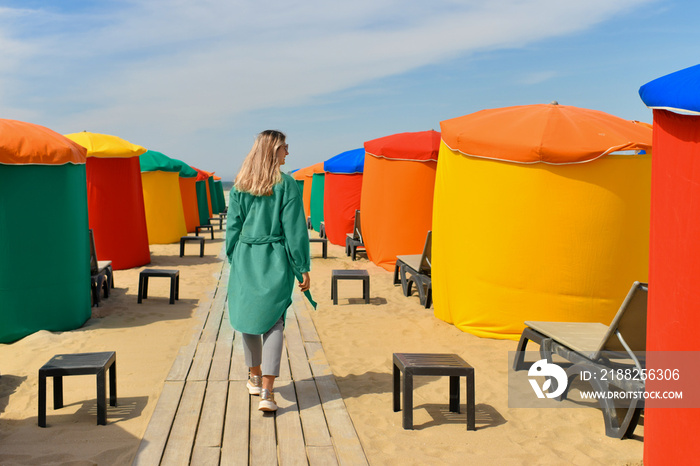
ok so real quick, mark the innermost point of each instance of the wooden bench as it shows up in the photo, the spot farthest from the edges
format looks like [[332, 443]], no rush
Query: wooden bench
[[79, 364], [441, 364]]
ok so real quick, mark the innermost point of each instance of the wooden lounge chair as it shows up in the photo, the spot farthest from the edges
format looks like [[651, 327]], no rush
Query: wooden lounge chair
[[101, 274], [354, 240], [416, 268], [595, 349]]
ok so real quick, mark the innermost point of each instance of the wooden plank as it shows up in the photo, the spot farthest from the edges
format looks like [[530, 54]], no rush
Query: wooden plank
[[221, 362], [179, 447], [234, 447], [263, 443], [290, 437], [306, 325], [185, 355], [153, 442], [321, 456], [211, 422], [202, 361], [313, 420], [205, 456], [297, 354], [347, 443], [211, 328], [182, 363], [285, 372], [239, 371]]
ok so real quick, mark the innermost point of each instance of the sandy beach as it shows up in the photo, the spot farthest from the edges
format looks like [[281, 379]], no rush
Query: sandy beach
[[358, 340]]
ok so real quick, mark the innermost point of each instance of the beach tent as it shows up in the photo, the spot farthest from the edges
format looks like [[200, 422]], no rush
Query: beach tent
[[538, 216], [300, 183], [162, 199], [316, 202], [220, 194], [188, 191], [342, 193], [306, 176], [115, 199], [203, 196], [670, 433], [213, 195], [44, 265], [397, 194]]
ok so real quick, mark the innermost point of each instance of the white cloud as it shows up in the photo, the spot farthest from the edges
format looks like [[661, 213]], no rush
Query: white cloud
[[180, 66]]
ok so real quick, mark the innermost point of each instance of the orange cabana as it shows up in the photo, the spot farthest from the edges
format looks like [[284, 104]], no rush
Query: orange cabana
[[306, 175], [188, 191], [115, 199], [397, 194]]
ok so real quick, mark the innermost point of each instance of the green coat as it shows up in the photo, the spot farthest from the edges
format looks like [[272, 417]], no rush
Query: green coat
[[267, 244]]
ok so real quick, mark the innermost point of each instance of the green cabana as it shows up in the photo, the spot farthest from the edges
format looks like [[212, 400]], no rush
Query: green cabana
[[44, 268], [317, 193], [215, 209], [220, 195]]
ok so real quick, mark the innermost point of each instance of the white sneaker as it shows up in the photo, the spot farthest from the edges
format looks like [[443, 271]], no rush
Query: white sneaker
[[254, 384], [267, 401]]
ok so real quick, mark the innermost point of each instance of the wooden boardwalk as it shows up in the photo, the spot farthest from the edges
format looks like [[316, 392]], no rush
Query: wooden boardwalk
[[205, 416]]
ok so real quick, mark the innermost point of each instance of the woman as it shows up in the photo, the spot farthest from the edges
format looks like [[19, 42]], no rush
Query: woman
[[267, 244]]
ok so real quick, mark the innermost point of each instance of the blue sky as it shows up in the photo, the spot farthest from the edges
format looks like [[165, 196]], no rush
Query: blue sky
[[197, 80]]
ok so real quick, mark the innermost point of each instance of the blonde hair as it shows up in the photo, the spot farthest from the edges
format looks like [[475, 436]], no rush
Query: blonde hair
[[261, 168]]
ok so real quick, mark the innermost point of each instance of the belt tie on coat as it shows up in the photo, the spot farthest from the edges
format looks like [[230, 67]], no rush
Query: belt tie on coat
[[260, 239], [278, 239]]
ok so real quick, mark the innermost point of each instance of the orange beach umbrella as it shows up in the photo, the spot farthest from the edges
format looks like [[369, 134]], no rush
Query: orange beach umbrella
[[549, 133]]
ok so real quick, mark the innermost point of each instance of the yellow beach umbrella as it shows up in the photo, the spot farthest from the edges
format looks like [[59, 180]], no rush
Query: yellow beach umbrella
[[105, 145]]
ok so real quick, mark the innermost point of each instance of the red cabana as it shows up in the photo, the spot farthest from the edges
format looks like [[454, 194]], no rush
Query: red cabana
[[670, 433], [115, 199], [342, 193]]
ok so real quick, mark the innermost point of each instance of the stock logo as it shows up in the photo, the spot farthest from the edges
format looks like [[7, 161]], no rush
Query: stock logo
[[551, 371]]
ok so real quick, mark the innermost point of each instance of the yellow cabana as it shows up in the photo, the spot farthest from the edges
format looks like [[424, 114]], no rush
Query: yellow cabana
[[533, 225], [162, 200]]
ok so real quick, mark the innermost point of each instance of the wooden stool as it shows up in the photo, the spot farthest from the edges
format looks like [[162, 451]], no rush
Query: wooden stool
[[79, 364], [445, 364], [174, 282], [204, 227], [325, 245], [221, 221], [349, 275], [192, 238]]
